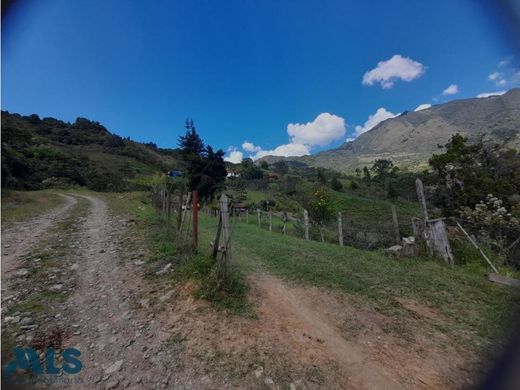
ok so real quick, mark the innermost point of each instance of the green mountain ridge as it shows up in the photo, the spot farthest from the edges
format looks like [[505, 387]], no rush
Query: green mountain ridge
[[37, 153]]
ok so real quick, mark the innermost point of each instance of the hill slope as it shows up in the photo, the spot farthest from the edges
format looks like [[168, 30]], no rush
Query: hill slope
[[39, 152], [411, 138]]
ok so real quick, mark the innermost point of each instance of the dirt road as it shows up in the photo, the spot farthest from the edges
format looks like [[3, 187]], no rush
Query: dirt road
[[137, 335]]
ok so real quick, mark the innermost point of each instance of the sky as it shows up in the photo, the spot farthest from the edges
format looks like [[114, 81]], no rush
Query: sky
[[257, 77]]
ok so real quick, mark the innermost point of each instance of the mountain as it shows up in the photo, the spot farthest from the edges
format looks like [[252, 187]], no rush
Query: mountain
[[412, 137], [40, 152]]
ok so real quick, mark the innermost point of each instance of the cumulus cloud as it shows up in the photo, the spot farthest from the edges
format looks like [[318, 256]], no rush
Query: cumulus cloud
[[234, 156], [421, 107], [373, 120], [451, 90], [494, 76], [397, 67], [488, 94], [324, 129], [320, 132], [287, 150], [250, 147]]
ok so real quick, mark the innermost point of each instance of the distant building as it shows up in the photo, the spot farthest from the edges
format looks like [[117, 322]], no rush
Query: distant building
[[233, 174], [273, 175]]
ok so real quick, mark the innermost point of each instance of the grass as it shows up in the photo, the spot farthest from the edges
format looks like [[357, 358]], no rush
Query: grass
[[22, 205], [478, 311]]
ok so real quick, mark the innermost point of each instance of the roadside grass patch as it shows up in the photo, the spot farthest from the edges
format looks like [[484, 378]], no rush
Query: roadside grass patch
[[22, 205]]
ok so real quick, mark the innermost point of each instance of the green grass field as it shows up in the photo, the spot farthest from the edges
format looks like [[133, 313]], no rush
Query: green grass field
[[477, 314]]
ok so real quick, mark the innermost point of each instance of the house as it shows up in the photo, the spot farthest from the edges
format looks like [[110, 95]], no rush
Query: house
[[233, 174]]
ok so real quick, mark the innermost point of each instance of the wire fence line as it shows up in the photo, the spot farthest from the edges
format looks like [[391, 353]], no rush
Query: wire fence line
[[384, 231]]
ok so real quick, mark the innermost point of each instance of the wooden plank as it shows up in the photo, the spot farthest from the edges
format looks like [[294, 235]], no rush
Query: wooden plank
[[396, 225], [477, 247], [340, 229], [422, 200], [505, 280], [306, 223], [216, 241]]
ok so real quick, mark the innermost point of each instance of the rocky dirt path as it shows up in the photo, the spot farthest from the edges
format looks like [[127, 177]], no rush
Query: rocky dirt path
[[18, 238], [121, 346]]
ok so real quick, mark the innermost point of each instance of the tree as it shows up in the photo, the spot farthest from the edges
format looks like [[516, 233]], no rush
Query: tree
[[249, 170], [321, 176], [336, 185], [320, 210], [205, 168], [264, 165], [281, 167], [190, 143], [366, 174], [382, 168], [358, 172]]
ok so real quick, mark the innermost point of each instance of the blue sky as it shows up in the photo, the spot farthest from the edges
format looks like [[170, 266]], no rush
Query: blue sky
[[290, 76]]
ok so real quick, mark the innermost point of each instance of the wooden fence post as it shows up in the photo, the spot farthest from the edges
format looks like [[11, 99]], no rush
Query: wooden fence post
[[422, 200], [340, 229], [258, 217], [284, 222], [306, 223], [396, 225], [270, 221], [195, 208], [226, 234], [247, 216]]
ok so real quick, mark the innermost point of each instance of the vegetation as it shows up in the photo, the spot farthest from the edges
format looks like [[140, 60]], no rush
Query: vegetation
[[41, 153], [205, 168]]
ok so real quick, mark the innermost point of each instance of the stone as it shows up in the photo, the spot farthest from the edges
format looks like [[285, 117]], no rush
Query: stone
[[56, 287], [112, 384], [164, 270], [116, 366], [409, 247], [394, 250], [22, 272], [27, 321]]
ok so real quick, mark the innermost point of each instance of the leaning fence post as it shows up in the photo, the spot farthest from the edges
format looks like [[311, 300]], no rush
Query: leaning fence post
[[340, 229], [422, 200], [306, 223], [396, 225], [258, 216], [284, 221]]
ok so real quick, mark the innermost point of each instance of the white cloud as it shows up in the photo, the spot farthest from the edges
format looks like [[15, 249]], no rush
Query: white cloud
[[488, 94], [503, 63], [324, 129], [250, 147], [451, 90], [287, 150], [349, 139], [373, 120], [493, 76], [397, 67], [320, 132], [421, 107], [234, 156]]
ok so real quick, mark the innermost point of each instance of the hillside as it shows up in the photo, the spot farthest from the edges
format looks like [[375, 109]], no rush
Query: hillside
[[40, 152], [412, 137]]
